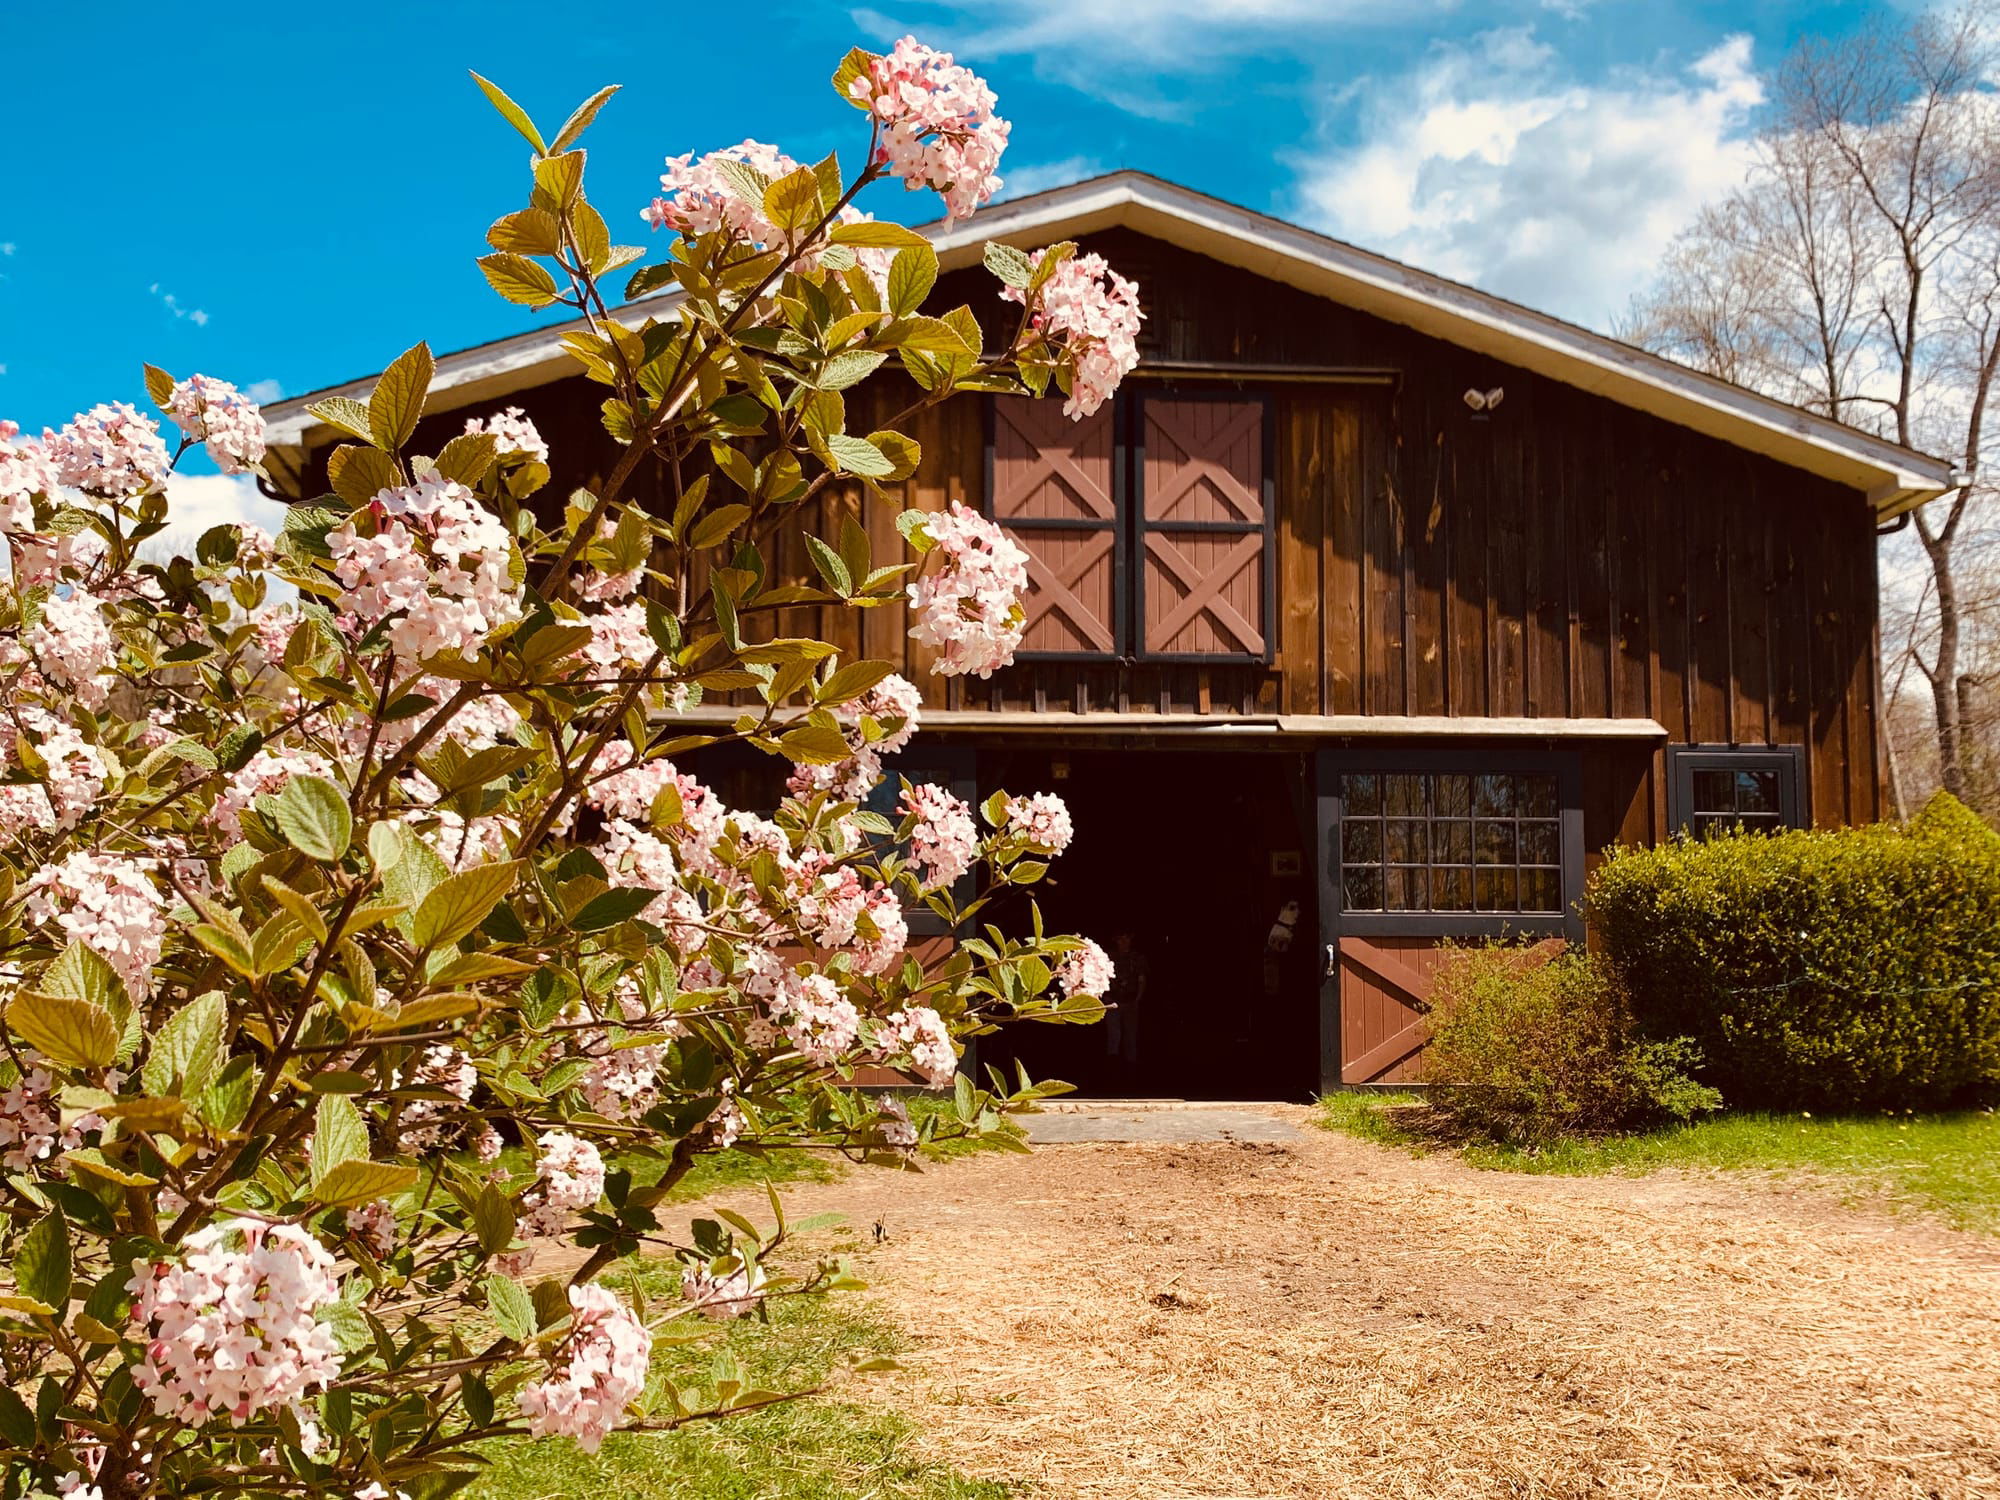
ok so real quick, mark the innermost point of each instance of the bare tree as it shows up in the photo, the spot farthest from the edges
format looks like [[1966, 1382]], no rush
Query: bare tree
[[1856, 272]]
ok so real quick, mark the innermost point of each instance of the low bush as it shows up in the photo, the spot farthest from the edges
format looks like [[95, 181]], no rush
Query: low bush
[[1845, 969], [1531, 1052]]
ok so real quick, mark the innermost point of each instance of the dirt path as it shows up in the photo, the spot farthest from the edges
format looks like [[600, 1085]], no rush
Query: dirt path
[[1323, 1317]]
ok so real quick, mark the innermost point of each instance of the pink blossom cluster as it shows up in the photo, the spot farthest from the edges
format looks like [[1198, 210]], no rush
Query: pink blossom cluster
[[571, 1178], [969, 608], [840, 910], [31, 1127], [263, 774], [107, 903], [427, 1124], [944, 841], [632, 857], [728, 1287], [214, 412], [73, 645], [1041, 821], [374, 1225], [618, 637], [235, 1332], [600, 1370], [110, 450], [895, 700], [27, 469], [919, 1033], [899, 1132], [623, 1083], [438, 560], [72, 777], [514, 436], [697, 197], [818, 1020], [66, 556], [937, 125], [1089, 315], [1087, 971], [889, 711], [463, 842]]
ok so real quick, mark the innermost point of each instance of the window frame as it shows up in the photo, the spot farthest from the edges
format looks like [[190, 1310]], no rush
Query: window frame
[[1129, 528], [1566, 766], [1789, 761]]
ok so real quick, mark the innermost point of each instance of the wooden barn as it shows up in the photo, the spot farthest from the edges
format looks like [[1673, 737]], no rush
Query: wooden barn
[[1372, 598]]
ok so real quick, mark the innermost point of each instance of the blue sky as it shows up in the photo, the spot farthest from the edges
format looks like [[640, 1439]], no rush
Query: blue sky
[[287, 196]]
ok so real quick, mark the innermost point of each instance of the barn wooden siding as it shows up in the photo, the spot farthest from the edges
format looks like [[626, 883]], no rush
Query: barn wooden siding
[[1561, 557]]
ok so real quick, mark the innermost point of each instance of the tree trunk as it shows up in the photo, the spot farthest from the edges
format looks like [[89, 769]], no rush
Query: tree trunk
[[1944, 671]]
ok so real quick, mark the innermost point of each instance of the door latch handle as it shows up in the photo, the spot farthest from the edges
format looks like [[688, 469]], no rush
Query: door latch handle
[[1332, 960]]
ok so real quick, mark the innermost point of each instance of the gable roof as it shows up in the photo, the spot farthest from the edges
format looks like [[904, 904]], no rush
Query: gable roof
[[1894, 478]]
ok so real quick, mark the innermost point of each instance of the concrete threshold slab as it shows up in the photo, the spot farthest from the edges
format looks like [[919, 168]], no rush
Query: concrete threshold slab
[[1077, 1121]]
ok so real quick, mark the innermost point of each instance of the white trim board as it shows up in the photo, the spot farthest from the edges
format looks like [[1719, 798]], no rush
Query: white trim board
[[1894, 478], [1268, 726]]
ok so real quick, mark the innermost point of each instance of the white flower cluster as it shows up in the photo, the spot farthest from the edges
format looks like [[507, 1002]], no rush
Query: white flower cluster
[[235, 1332], [72, 644], [110, 450], [1087, 971], [725, 1288], [515, 438], [944, 841], [600, 1370], [31, 1127], [571, 1179], [1089, 315], [438, 561], [969, 608], [938, 129], [108, 904], [1041, 821], [214, 412]]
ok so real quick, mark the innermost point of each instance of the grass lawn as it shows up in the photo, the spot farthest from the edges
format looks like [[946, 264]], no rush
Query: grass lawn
[[1947, 1163]]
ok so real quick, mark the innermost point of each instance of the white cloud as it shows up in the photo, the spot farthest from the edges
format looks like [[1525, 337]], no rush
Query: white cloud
[[1038, 177], [1491, 163], [196, 502], [264, 392], [6, 247], [172, 304]]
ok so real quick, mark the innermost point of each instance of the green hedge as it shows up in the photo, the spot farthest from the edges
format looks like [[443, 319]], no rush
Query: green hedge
[[1848, 969]]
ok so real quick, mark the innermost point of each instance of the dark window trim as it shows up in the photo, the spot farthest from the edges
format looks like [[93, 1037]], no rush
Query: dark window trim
[[1137, 526], [1568, 769], [1121, 583], [1129, 527], [1684, 760]]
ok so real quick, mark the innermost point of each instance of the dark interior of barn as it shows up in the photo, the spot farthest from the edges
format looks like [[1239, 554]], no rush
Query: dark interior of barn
[[1191, 857]]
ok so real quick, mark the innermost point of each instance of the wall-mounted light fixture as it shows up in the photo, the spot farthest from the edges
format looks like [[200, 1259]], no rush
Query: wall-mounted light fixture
[[1485, 401]]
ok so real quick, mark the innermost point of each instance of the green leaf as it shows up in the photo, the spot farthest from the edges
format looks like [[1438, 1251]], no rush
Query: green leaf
[[469, 457], [359, 474], [361, 1181], [42, 1261], [415, 870], [311, 812], [852, 680], [877, 233], [647, 280], [911, 276], [527, 231], [187, 1052], [857, 64], [344, 412], [225, 1102], [493, 1219], [851, 368], [609, 908], [831, 568], [560, 177], [1012, 266], [914, 525], [17, 1423], [815, 745], [512, 113], [72, 1032], [159, 386], [518, 279], [792, 202], [512, 1308], [81, 973], [339, 1134], [456, 905], [716, 525], [746, 179], [580, 118], [398, 398], [857, 455]]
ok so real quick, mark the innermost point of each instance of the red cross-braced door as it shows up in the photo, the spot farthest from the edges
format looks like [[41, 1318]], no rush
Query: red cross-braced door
[[1204, 549], [1054, 488]]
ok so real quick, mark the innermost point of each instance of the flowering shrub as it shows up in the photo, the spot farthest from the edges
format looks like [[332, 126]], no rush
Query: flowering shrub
[[373, 965]]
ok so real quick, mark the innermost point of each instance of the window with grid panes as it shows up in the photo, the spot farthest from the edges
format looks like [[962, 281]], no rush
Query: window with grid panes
[[1717, 788], [1458, 842]]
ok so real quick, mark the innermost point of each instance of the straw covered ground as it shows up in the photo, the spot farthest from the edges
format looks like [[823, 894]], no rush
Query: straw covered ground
[[1326, 1317]]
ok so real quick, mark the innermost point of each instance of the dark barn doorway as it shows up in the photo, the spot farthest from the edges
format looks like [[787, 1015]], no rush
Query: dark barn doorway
[[1194, 854]]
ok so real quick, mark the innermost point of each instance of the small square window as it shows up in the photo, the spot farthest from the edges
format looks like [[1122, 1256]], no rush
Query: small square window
[[1713, 789]]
